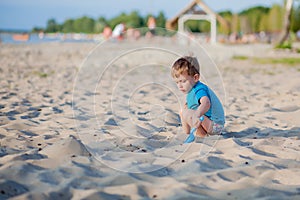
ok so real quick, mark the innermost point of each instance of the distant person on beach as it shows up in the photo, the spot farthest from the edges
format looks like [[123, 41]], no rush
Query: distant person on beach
[[203, 110], [151, 23], [118, 32], [107, 32]]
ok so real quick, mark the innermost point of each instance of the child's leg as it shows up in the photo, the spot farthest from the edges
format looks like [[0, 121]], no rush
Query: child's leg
[[185, 125], [201, 132], [207, 125], [211, 127], [205, 128]]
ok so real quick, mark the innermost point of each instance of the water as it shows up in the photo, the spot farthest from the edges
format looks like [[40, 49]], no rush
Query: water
[[7, 38]]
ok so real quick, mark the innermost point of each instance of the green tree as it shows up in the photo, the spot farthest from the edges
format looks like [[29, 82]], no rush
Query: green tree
[[235, 24], [52, 26], [204, 26], [245, 24], [252, 18], [100, 24], [161, 20], [37, 30], [134, 20], [117, 20], [227, 15], [296, 19], [263, 24], [67, 26], [84, 25], [77, 25], [275, 18], [192, 25], [87, 24]]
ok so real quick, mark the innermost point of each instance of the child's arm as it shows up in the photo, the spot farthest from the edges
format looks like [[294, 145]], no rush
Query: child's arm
[[201, 110]]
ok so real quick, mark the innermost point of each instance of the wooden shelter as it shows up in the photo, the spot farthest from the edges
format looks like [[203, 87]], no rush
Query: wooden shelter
[[197, 10]]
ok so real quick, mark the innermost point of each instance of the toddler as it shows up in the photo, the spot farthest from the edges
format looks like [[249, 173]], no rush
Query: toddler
[[203, 111]]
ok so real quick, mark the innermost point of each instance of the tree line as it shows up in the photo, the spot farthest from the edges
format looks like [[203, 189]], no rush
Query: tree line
[[252, 20], [87, 24], [257, 19]]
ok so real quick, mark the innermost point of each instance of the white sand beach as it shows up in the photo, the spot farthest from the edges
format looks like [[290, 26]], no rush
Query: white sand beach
[[81, 121]]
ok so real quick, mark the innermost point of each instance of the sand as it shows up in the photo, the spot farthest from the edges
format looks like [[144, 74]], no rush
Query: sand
[[81, 121]]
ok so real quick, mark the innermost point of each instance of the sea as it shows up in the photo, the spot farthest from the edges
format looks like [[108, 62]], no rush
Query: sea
[[8, 38]]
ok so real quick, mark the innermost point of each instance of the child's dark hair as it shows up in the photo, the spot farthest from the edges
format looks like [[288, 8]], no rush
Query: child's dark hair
[[185, 64]]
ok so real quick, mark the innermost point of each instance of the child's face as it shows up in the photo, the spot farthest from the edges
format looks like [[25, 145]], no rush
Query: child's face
[[186, 82]]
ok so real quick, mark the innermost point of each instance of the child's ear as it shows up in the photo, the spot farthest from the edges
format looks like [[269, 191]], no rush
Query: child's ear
[[196, 77]]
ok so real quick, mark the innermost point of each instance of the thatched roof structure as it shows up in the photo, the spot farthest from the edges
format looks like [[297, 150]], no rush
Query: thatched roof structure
[[193, 8]]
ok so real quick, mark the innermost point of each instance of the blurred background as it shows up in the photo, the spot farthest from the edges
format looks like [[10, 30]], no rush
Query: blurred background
[[91, 20]]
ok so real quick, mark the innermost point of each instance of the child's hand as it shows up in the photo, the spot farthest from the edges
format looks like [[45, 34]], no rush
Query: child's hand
[[196, 121]]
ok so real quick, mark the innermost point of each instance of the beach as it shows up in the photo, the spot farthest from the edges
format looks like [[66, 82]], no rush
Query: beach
[[100, 121]]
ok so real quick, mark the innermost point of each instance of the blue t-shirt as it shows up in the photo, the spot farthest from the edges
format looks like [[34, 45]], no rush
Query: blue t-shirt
[[215, 112]]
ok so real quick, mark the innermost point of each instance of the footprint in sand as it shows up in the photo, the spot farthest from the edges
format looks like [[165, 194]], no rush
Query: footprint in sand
[[286, 109]]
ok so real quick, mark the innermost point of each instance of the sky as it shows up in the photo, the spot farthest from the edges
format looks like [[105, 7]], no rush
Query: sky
[[26, 14]]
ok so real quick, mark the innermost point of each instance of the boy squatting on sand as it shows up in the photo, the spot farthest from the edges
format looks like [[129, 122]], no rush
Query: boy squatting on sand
[[203, 110]]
